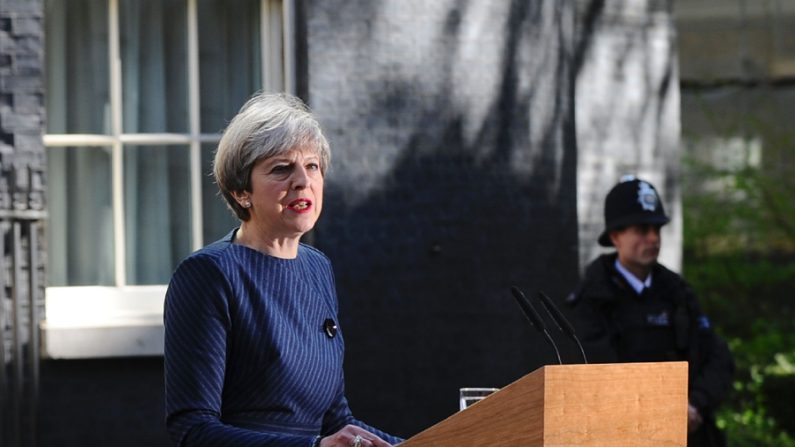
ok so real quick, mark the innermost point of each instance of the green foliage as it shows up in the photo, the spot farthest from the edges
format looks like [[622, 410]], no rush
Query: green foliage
[[759, 411], [739, 250]]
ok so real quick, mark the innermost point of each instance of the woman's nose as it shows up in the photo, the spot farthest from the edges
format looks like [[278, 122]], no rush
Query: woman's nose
[[301, 178]]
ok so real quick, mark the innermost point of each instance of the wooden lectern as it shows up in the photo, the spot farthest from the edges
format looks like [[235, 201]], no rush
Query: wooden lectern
[[623, 404]]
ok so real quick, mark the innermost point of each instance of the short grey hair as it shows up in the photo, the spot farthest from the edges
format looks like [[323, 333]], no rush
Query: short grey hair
[[266, 125]]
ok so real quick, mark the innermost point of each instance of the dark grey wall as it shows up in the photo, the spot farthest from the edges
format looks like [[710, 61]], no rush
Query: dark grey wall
[[22, 159], [453, 177], [102, 402]]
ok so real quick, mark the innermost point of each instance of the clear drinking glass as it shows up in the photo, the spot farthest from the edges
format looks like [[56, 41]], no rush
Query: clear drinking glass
[[468, 396]]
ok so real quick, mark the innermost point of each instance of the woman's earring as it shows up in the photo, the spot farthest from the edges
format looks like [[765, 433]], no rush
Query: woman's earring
[[246, 204]]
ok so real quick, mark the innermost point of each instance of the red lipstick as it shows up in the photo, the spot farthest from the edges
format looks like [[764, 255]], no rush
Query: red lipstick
[[300, 205]]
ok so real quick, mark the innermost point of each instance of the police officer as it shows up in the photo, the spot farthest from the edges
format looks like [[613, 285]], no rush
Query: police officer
[[630, 308]]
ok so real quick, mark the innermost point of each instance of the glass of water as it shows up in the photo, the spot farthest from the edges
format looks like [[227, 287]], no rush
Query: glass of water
[[468, 396]]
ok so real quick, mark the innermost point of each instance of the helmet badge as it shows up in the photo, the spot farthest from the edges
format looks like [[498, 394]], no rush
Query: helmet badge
[[647, 197]]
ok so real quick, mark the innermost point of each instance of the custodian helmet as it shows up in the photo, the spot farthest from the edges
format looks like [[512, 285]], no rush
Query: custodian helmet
[[631, 202]]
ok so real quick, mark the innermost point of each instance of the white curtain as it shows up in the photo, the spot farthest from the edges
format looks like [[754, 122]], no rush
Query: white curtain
[[229, 44], [155, 99], [80, 226]]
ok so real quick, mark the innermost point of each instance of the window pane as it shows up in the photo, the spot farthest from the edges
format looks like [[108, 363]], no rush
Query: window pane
[[80, 234], [157, 211], [218, 219], [76, 48], [229, 59], [154, 65]]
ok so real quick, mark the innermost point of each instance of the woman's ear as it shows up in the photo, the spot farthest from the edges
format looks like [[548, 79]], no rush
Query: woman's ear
[[242, 198]]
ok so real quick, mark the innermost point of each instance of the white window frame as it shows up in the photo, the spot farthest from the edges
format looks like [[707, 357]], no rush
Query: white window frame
[[127, 320]]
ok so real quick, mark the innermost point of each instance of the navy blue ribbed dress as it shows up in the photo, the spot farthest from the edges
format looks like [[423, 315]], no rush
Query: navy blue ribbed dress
[[247, 360]]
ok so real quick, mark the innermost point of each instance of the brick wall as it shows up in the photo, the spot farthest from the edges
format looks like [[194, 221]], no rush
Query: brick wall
[[22, 167], [453, 177], [22, 159]]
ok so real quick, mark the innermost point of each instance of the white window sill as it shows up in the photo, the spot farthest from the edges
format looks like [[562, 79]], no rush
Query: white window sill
[[96, 322]]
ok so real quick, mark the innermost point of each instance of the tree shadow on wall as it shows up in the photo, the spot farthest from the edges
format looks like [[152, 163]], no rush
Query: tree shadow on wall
[[424, 263]]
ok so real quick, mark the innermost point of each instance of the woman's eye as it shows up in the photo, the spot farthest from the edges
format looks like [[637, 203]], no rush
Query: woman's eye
[[313, 167], [280, 169]]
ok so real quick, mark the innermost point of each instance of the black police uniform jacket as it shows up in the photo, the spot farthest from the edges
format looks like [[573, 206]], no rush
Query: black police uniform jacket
[[663, 323]]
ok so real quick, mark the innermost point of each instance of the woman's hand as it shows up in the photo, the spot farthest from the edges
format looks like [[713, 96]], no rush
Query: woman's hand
[[353, 436]]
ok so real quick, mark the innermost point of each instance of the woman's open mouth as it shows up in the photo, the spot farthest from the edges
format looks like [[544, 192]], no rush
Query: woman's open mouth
[[300, 205]]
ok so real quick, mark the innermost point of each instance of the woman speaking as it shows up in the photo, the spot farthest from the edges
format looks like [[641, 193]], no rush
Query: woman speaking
[[253, 355]]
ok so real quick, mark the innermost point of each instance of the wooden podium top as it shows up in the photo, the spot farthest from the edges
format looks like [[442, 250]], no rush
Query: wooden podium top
[[626, 404]]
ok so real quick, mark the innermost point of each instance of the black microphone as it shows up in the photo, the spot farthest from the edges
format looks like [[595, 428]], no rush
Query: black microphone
[[559, 319], [534, 318]]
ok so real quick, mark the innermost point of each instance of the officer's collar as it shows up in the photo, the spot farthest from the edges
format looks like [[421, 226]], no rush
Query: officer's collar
[[633, 280]]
